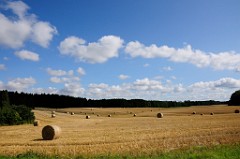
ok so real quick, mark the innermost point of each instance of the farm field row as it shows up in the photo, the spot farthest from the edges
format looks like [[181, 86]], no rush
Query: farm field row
[[123, 134]]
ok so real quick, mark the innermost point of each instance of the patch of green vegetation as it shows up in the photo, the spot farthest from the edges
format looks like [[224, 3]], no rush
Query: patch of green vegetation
[[215, 152], [13, 114]]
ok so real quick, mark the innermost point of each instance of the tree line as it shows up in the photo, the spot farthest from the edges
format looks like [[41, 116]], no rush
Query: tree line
[[14, 114], [62, 101]]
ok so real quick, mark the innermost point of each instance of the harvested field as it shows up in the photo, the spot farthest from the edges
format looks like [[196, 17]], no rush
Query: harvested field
[[122, 133]]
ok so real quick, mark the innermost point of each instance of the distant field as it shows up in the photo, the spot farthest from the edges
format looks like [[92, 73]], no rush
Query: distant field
[[123, 134]]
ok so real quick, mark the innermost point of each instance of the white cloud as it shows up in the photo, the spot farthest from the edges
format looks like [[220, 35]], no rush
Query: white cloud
[[22, 26], [27, 55], [167, 68], [19, 84], [174, 77], [218, 61], [5, 58], [220, 89], [18, 7], [81, 71], [145, 88], [42, 33], [123, 77], [146, 65], [2, 67], [156, 90], [61, 76], [221, 83], [64, 79], [13, 33], [56, 72], [141, 88], [96, 52], [73, 89], [55, 80], [49, 90]]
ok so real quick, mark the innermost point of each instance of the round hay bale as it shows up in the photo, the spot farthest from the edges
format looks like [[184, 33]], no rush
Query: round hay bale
[[51, 132], [194, 112], [109, 115], [53, 115], [134, 115], [98, 115], [212, 113], [160, 115], [236, 111], [202, 114], [36, 123], [72, 113], [88, 117]]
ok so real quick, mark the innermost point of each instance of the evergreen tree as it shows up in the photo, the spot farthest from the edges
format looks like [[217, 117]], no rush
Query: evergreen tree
[[4, 99]]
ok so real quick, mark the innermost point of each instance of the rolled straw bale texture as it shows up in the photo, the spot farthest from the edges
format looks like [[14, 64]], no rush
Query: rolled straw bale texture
[[194, 112], [236, 111], [88, 117], [53, 115], [51, 132], [36, 123], [160, 115]]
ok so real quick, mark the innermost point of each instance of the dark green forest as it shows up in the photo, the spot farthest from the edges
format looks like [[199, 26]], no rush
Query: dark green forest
[[235, 98], [62, 101], [11, 114]]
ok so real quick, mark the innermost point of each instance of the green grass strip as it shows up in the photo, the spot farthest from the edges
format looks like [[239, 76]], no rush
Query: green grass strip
[[215, 152]]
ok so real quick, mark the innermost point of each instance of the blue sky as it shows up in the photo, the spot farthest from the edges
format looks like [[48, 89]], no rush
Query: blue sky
[[149, 49]]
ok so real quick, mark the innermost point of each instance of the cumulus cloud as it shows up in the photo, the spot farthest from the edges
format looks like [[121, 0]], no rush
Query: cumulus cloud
[[42, 33], [123, 77], [151, 89], [220, 89], [24, 26], [27, 55], [73, 89], [141, 88], [96, 52], [146, 65], [61, 76], [71, 83], [218, 61], [59, 72], [221, 83], [49, 90], [144, 88], [81, 71], [64, 79], [5, 58], [167, 68], [2, 67], [18, 7], [18, 84]]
